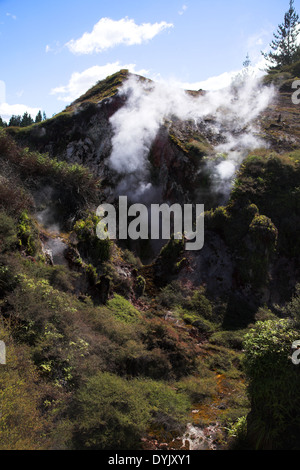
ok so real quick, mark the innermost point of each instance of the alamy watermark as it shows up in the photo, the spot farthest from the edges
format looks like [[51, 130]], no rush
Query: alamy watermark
[[2, 353], [156, 222], [296, 354], [296, 94]]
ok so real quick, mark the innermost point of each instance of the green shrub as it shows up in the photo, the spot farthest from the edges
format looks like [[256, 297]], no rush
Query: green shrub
[[264, 313], [293, 307], [274, 382], [8, 280], [14, 199], [229, 339], [169, 259], [8, 232], [130, 258], [169, 407], [178, 347], [140, 285], [199, 389], [109, 414], [74, 186], [171, 295], [193, 318], [27, 234], [123, 310], [223, 360], [22, 425], [113, 412], [237, 432], [263, 230], [200, 304], [173, 248], [90, 245]]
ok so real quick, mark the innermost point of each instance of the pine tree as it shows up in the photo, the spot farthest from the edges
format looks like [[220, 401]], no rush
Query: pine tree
[[26, 120], [15, 121], [247, 62], [284, 45], [240, 79], [38, 117]]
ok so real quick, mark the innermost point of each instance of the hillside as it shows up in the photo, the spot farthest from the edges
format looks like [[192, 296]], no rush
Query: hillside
[[94, 327]]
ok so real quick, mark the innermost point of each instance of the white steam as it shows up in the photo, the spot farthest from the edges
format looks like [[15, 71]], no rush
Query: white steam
[[232, 111]]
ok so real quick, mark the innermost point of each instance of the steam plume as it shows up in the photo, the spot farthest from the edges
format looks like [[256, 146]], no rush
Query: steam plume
[[135, 126]]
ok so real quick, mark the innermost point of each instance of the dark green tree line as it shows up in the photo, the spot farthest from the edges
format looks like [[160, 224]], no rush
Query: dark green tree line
[[23, 121]]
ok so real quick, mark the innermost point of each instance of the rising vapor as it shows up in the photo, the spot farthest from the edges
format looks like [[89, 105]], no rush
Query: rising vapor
[[234, 111]]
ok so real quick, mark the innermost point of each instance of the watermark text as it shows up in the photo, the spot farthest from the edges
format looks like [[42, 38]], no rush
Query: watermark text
[[157, 222]]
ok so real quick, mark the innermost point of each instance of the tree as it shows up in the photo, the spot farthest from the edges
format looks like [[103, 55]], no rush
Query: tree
[[26, 120], [241, 78], [2, 123], [284, 46], [247, 62], [15, 121], [38, 117]]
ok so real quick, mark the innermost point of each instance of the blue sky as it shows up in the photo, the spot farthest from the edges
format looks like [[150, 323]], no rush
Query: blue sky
[[53, 51]]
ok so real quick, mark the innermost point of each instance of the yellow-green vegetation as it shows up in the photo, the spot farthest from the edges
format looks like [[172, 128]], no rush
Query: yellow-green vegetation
[[27, 234], [90, 244], [114, 412], [273, 385], [123, 310], [22, 426], [73, 187]]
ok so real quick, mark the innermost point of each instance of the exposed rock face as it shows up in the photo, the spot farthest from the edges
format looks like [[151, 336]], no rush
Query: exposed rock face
[[83, 137], [213, 266]]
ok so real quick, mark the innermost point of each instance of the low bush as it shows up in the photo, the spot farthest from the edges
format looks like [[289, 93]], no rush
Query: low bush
[[274, 382], [8, 233], [113, 412], [123, 310], [90, 245]]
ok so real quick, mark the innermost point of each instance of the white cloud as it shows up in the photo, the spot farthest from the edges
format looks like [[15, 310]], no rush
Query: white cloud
[[7, 110], [11, 16], [55, 47], [108, 33], [80, 82], [183, 10]]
